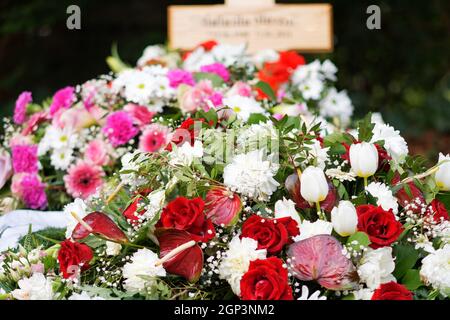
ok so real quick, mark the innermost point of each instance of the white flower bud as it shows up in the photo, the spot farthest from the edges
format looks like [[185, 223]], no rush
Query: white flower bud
[[364, 159], [442, 176], [313, 185], [344, 218]]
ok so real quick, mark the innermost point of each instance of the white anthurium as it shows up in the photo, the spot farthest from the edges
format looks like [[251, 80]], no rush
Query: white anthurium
[[344, 218], [364, 159], [442, 176]]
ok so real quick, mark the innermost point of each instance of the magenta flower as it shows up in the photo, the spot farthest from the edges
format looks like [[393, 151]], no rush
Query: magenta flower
[[119, 128], [83, 179], [31, 190], [216, 68], [62, 99], [20, 111], [179, 76], [153, 138], [25, 158]]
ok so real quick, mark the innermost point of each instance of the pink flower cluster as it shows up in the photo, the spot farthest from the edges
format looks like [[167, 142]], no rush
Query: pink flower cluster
[[179, 76], [217, 68], [20, 111], [25, 158], [30, 190], [62, 99], [201, 96], [119, 128]]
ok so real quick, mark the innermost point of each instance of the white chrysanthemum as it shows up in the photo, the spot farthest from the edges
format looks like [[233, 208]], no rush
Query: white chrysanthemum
[[83, 296], [436, 270], [79, 208], [57, 139], [376, 267], [384, 196], [236, 261], [309, 229], [36, 287], [130, 163], [243, 106], [141, 271], [62, 158], [317, 154], [363, 294], [286, 208], [336, 104], [150, 53], [185, 155], [263, 56], [250, 175], [335, 173], [394, 143], [257, 136], [315, 296]]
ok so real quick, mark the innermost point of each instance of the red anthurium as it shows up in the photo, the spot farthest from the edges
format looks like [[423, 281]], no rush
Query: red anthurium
[[187, 263], [292, 185], [320, 258], [222, 206], [98, 223]]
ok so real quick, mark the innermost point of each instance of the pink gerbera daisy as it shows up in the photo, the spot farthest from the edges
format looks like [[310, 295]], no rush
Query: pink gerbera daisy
[[20, 111], [83, 179], [154, 137], [119, 128]]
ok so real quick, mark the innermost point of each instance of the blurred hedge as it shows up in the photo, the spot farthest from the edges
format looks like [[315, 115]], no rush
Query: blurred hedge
[[401, 70]]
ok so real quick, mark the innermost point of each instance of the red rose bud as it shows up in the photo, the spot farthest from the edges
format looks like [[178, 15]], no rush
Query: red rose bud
[[188, 263], [188, 215], [320, 258], [223, 206], [380, 225], [100, 224], [131, 213], [266, 280], [271, 234], [73, 258], [392, 291], [292, 185], [438, 211]]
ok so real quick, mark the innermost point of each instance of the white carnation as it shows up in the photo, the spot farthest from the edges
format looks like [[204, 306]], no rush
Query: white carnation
[[237, 260], [436, 270], [394, 143], [376, 267], [384, 196], [310, 229], [185, 155], [257, 136], [141, 271], [250, 175]]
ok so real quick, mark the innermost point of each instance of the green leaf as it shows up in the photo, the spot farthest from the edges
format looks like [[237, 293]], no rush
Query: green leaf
[[216, 80], [267, 89], [405, 259], [114, 61], [256, 118], [411, 279], [365, 126], [361, 238]]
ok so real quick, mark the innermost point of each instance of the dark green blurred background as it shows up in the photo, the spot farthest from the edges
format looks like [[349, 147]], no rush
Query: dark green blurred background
[[402, 70]]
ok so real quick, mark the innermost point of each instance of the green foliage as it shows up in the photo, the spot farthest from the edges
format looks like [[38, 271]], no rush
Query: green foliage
[[214, 78], [358, 239], [411, 279], [406, 258], [265, 87]]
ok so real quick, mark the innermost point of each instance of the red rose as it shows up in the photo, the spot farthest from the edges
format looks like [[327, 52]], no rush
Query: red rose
[[392, 291], [187, 214], [73, 257], [438, 211], [271, 234], [266, 280], [380, 225], [131, 213]]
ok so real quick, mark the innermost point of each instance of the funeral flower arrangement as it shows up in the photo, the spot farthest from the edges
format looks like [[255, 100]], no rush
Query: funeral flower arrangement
[[66, 146], [253, 184]]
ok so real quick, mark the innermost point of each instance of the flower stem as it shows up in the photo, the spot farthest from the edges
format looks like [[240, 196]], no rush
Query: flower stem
[[319, 212], [365, 182]]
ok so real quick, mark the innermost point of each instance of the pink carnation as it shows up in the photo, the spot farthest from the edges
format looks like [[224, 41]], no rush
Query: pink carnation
[[153, 138], [31, 190], [62, 99], [97, 153], [25, 158], [140, 114], [20, 111], [119, 128], [179, 76], [216, 68], [83, 179]]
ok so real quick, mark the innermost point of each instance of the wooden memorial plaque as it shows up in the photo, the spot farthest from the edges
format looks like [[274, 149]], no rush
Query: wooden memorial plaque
[[261, 24]]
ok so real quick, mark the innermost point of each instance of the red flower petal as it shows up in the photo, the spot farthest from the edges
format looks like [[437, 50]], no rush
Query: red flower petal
[[102, 225], [223, 206], [320, 258], [189, 262]]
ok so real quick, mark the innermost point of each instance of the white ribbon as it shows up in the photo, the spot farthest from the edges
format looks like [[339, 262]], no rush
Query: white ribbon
[[15, 224]]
